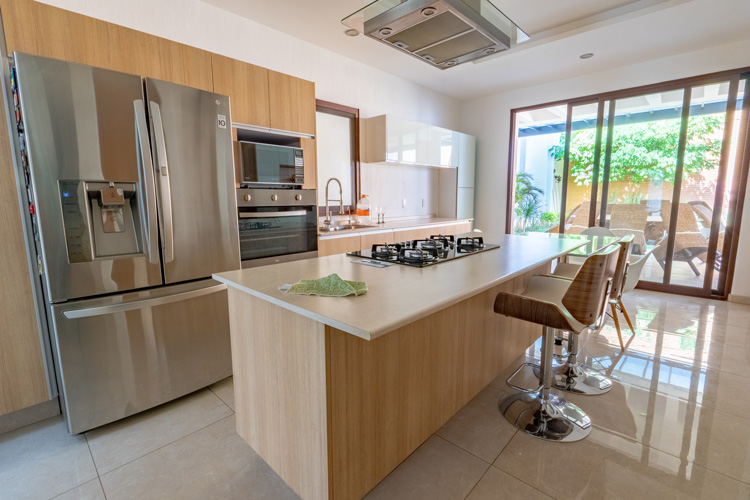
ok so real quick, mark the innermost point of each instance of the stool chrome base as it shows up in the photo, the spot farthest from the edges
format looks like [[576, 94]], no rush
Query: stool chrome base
[[551, 418], [581, 379]]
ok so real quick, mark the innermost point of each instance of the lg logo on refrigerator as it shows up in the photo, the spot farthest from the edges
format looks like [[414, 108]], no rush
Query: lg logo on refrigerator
[[222, 121]]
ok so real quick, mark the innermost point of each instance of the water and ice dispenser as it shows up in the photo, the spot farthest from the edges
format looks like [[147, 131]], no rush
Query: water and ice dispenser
[[101, 219]]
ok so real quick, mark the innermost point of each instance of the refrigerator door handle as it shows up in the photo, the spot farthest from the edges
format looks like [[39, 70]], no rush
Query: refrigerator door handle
[[140, 304], [164, 188], [147, 171]]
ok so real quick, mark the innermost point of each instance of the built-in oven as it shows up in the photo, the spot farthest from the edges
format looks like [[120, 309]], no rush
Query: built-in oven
[[269, 165], [277, 225]]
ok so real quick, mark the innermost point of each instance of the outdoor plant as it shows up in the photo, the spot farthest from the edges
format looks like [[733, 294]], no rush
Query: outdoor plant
[[647, 151], [529, 201]]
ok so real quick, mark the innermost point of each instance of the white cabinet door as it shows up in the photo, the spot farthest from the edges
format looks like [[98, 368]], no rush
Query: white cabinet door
[[406, 141], [442, 147], [467, 160], [465, 203]]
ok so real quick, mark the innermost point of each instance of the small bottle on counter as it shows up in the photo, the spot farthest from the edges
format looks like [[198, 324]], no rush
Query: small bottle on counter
[[364, 210]]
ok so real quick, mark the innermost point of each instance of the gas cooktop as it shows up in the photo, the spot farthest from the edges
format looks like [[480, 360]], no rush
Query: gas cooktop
[[422, 253]]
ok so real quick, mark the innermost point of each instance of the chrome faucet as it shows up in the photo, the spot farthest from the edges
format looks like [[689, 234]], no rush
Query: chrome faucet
[[340, 200]]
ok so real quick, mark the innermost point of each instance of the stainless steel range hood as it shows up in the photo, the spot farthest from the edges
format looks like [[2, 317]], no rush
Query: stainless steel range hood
[[444, 33]]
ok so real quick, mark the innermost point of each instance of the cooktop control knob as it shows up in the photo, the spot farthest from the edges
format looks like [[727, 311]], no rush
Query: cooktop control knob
[[274, 197], [248, 197], [298, 197]]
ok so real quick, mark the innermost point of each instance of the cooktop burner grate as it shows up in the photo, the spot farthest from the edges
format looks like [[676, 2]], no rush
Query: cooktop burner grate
[[421, 253]]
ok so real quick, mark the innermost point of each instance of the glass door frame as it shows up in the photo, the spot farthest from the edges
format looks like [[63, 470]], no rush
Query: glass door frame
[[736, 192]]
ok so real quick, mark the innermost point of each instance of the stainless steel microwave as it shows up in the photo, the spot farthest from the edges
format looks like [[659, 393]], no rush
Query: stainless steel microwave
[[269, 164]]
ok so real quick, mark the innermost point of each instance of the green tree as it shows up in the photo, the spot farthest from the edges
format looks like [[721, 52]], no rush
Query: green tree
[[647, 151], [529, 201]]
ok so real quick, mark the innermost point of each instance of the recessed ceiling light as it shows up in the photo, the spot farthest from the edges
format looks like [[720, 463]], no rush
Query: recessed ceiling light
[[351, 32], [587, 55]]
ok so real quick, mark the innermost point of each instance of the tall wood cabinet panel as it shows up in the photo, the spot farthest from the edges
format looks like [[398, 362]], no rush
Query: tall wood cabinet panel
[[247, 87], [23, 381], [309, 152], [292, 103], [52, 32]]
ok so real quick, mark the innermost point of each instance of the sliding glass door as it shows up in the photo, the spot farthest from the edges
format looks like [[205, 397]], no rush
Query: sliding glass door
[[662, 165]]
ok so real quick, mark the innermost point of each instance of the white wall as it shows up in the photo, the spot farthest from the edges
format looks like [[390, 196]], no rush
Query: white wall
[[488, 119]]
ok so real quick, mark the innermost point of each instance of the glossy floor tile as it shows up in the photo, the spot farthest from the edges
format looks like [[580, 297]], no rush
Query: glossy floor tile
[[88, 491], [438, 470], [224, 389], [121, 442], [43, 461], [213, 462], [676, 425], [478, 427], [496, 484]]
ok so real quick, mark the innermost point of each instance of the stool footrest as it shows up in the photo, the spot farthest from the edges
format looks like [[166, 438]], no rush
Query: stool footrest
[[551, 418]]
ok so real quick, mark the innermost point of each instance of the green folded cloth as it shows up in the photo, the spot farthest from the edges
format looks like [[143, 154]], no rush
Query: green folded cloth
[[330, 286]]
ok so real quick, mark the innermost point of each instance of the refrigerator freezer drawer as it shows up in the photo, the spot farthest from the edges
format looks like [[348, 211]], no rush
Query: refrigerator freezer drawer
[[120, 355]]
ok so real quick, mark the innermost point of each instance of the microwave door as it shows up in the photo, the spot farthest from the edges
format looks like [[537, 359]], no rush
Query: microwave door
[[192, 154]]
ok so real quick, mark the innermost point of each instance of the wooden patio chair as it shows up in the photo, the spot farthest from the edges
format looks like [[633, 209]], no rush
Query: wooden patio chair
[[689, 242], [705, 214], [630, 218]]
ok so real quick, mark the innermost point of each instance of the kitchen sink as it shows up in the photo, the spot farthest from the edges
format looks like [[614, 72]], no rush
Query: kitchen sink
[[340, 225]]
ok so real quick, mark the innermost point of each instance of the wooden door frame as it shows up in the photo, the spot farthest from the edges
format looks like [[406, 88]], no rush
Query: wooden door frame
[[736, 192], [352, 113]]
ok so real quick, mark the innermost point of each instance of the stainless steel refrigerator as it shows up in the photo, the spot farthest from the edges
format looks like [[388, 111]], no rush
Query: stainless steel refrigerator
[[131, 183]]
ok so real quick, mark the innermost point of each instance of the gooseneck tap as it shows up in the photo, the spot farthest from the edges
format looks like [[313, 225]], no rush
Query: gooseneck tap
[[340, 200]]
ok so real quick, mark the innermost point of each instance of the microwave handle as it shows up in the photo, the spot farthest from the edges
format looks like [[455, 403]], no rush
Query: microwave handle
[[163, 169], [259, 215]]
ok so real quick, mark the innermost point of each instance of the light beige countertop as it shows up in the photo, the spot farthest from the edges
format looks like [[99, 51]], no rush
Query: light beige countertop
[[390, 225], [397, 295]]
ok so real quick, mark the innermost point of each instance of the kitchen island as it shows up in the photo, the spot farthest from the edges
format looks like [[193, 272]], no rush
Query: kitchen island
[[334, 393]]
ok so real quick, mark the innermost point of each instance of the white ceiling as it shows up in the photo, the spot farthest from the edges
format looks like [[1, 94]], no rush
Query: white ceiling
[[618, 32]]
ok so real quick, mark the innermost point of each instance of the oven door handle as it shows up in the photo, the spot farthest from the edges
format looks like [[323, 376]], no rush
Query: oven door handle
[[259, 215]]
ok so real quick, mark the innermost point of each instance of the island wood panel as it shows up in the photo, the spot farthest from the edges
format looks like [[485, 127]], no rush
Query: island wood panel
[[247, 87], [43, 30], [292, 103], [309, 154], [369, 238], [23, 381], [387, 396], [280, 390], [343, 244]]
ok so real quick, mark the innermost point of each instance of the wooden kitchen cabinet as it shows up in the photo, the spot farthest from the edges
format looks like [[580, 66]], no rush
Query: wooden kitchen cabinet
[[338, 244], [309, 154], [370, 238], [22, 376], [247, 87], [40, 29], [418, 233], [292, 103]]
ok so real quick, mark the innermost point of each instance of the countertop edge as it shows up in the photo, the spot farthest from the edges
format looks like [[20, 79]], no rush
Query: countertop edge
[[389, 327], [351, 232], [299, 310]]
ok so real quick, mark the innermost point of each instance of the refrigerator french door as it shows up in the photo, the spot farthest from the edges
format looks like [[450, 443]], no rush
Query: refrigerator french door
[[132, 190]]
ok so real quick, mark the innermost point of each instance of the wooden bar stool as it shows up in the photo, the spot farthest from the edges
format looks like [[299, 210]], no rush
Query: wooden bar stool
[[565, 304], [618, 282]]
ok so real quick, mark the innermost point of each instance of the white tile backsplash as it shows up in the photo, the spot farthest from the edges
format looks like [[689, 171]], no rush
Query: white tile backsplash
[[389, 185]]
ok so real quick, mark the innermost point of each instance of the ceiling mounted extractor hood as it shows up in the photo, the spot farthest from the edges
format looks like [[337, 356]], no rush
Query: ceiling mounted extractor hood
[[444, 33]]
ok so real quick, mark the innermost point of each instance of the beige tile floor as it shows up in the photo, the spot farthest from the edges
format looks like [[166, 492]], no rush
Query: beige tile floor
[[676, 425]]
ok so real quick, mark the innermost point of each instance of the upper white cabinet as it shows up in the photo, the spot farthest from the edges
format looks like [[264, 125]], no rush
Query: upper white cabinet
[[467, 157], [389, 139]]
